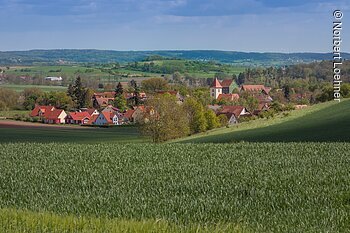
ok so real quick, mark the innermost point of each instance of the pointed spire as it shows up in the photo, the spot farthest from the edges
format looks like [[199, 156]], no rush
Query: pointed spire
[[216, 83]]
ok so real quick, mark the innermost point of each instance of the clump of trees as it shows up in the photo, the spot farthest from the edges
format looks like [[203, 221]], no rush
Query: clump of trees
[[9, 99], [80, 96], [166, 119]]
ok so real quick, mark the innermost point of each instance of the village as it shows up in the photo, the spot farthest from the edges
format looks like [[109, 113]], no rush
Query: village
[[105, 113]]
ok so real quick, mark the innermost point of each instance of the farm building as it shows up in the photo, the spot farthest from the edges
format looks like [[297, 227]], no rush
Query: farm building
[[54, 78]]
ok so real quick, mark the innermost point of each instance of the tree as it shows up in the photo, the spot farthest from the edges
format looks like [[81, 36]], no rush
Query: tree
[[31, 96], [70, 91], [154, 84], [223, 120], [195, 114], [120, 103], [8, 99], [212, 119], [79, 94], [119, 90], [164, 119], [136, 92], [241, 79], [286, 91]]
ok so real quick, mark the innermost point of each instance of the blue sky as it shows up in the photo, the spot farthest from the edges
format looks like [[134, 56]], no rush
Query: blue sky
[[235, 25]]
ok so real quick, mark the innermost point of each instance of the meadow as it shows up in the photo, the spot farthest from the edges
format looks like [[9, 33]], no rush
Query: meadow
[[325, 122], [20, 88], [256, 187]]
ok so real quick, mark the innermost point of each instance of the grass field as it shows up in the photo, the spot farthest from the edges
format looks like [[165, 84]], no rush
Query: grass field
[[261, 187], [70, 134], [327, 122], [13, 113], [20, 88]]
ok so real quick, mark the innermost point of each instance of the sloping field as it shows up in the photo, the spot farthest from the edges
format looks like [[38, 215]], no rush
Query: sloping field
[[327, 122], [261, 187]]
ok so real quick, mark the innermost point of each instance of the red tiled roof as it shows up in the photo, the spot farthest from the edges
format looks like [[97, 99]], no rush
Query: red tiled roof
[[216, 83], [79, 116], [226, 83], [256, 88], [53, 115], [229, 97], [43, 109], [103, 101], [90, 111], [128, 113], [92, 119], [236, 110], [109, 116]]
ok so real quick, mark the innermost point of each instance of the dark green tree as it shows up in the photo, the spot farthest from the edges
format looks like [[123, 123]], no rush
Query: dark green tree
[[119, 90], [79, 93], [286, 91]]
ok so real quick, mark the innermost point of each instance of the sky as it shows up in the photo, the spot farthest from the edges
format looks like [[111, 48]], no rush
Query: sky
[[233, 25]]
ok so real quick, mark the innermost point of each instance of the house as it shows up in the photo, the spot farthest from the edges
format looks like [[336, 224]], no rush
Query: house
[[261, 107], [101, 102], [106, 118], [39, 111], [128, 115], [233, 113], [256, 89], [228, 86], [80, 118], [139, 114], [224, 87], [92, 119], [110, 108], [91, 111], [56, 116], [54, 78], [215, 89], [214, 107], [228, 97]]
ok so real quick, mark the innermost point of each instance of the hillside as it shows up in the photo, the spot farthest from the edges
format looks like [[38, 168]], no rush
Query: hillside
[[327, 122], [106, 56]]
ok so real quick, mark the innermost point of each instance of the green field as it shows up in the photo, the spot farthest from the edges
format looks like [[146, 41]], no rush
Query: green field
[[260, 187], [20, 88], [327, 122], [70, 134]]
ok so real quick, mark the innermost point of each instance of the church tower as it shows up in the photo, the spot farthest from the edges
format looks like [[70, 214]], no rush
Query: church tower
[[215, 89]]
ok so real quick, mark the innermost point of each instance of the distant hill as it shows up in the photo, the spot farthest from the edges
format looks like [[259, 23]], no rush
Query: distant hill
[[63, 56], [326, 122]]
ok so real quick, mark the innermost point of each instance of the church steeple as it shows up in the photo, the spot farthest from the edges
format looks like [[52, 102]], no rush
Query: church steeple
[[215, 89]]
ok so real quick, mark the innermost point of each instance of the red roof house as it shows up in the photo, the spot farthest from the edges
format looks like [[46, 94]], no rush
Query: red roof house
[[78, 118], [57, 116], [228, 97], [39, 111], [233, 113]]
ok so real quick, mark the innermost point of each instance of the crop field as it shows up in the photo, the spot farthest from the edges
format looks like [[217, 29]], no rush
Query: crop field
[[12, 131], [257, 187]]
